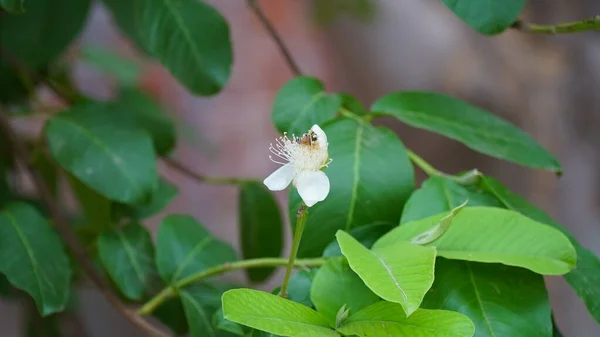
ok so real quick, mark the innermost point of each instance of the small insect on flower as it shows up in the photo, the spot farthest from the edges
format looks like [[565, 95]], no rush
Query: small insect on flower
[[302, 158]]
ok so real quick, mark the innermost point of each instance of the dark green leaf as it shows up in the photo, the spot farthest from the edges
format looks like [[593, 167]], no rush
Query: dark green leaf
[[128, 255], [500, 300], [221, 323], [585, 278], [96, 208], [371, 178], [32, 257], [126, 72], [123, 14], [336, 286], [299, 286], [353, 105], [13, 6], [160, 198], [184, 247], [261, 227], [190, 38], [487, 17], [114, 158], [366, 235], [472, 126], [140, 109], [171, 314], [301, 103], [199, 315]]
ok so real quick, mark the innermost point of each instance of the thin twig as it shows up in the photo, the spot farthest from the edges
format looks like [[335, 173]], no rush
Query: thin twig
[[202, 178], [21, 154], [253, 4], [590, 24]]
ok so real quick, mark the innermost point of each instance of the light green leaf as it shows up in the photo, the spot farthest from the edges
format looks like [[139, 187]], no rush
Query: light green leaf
[[470, 125], [190, 38], [435, 232], [501, 300], [13, 6], [336, 286], [32, 257], [160, 198], [371, 178], [140, 109], [299, 286], [184, 247], [585, 278], [366, 235], [387, 319], [487, 17], [128, 255], [301, 103], [112, 157], [488, 234], [400, 273], [126, 72], [261, 227], [274, 314]]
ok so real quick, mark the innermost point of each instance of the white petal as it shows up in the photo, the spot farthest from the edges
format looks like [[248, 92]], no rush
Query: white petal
[[321, 136], [313, 186], [281, 178]]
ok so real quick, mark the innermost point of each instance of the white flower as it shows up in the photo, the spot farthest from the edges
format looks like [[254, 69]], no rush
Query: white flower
[[302, 159]]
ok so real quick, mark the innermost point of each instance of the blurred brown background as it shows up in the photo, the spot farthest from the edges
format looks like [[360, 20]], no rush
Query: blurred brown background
[[548, 85]]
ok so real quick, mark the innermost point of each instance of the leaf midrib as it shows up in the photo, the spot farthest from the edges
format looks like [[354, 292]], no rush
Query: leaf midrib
[[478, 297], [197, 248], [356, 176], [131, 255]]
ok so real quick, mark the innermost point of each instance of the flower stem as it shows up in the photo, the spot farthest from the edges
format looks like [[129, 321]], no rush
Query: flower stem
[[171, 291], [301, 217]]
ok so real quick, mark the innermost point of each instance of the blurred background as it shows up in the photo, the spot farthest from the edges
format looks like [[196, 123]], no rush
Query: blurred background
[[548, 85]]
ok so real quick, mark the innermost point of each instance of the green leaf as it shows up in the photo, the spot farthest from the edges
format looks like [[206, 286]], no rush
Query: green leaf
[[190, 38], [171, 314], [32, 257], [198, 315], [353, 105], [487, 17], [300, 285], [126, 72], [261, 227], [336, 286], [274, 314], [436, 232], [221, 323], [585, 278], [128, 255], [301, 103], [13, 6], [387, 319], [400, 273], [112, 157], [488, 234], [140, 109], [364, 190], [366, 235], [96, 208], [501, 300], [123, 14], [184, 247], [160, 198], [470, 125]]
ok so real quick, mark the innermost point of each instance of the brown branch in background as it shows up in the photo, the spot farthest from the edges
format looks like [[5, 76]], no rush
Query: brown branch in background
[[62, 226], [590, 24], [178, 166], [271, 29]]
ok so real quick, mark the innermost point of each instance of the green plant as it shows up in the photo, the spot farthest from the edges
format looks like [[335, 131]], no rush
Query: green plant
[[467, 259]]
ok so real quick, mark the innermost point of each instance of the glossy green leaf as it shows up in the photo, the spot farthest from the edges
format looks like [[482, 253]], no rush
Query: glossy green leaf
[[128, 256], [500, 300], [142, 110], [301, 103], [366, 235], [401, 273], [261, 227], [162, 196], [199, 316], [489, 234], [487, 17], [585, 278], [13, 6], [32, 257], [190, 38], [221, 323], [112, 157], [123, 14], [335, 286], [300, 285], [126, 72], [274, 314], [470, 125], [371, 178], [184, 247], [387, 319]]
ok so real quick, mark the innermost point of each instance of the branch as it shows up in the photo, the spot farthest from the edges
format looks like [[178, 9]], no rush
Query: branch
[[171, 291], [62, 226], [202, 178], [253, 4], [591, 24]]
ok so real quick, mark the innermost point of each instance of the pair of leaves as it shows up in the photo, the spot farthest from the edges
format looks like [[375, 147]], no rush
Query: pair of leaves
[[283, 317]]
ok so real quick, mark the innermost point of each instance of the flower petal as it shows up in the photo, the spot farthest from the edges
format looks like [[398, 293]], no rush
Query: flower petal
[[321, 136], [281, 178], [313, 186]]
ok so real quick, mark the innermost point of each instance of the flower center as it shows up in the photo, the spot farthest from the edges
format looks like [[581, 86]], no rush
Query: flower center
[[304, 153]]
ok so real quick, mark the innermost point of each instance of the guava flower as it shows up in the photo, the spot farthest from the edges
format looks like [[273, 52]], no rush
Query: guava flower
[[302, 159]]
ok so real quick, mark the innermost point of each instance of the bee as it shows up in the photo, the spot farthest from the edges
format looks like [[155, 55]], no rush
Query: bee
[[308, 138]]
